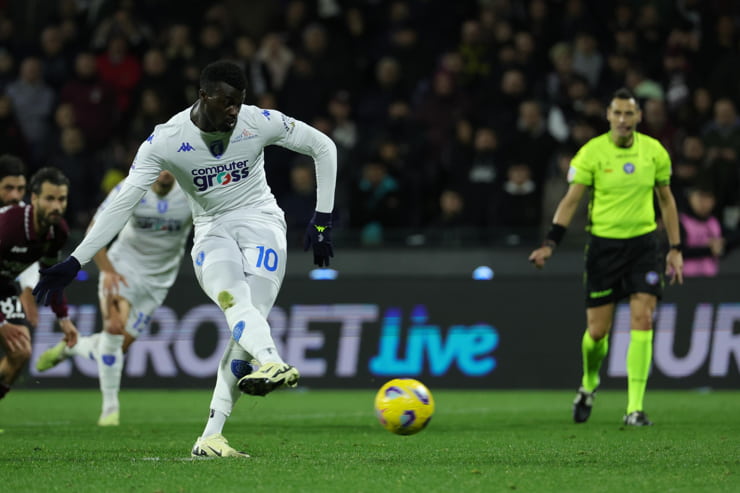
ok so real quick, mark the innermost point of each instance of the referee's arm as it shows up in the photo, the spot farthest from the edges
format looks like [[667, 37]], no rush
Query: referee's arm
[[563, 216], [669, 213], [568, 204]]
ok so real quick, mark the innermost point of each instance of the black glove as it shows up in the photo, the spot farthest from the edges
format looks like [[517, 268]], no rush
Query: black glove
[[318, 235], [54, 279]]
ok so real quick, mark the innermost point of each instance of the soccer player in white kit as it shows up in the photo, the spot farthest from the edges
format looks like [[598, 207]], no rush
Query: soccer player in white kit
[[136, 273], [215, 150]]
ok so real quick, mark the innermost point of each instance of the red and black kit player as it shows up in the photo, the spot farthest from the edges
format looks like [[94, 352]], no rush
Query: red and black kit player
[[30, 233]]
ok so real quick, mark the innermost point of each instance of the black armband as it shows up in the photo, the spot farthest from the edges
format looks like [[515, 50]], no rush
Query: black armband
[[555, 235], [677, 246]]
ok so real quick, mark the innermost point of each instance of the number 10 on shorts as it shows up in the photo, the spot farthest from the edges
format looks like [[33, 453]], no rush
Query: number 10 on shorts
[[268, 259]]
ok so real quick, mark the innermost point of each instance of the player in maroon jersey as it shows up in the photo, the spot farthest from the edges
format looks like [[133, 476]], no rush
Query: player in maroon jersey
[[12, 191], [30, 233]]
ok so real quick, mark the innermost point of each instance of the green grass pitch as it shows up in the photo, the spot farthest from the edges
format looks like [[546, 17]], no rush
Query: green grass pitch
[[330, 441]]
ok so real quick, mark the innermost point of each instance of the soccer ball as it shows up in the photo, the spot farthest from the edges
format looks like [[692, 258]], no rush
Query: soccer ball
[[404, 406]]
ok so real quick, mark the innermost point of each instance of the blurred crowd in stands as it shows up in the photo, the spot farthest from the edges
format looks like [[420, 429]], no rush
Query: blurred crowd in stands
[[455, 120]]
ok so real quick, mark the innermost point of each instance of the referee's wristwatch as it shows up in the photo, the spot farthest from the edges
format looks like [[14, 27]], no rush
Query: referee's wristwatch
[[677, 246]]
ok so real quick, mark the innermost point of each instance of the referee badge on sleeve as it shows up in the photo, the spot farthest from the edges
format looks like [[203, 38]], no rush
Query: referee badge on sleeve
[[571, 174]]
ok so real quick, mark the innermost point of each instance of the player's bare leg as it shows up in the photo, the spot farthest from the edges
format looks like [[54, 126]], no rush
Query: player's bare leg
[[16, 342]]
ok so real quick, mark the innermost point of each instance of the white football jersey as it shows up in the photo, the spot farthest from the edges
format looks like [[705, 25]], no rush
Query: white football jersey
[[153, 239], [220, 172]]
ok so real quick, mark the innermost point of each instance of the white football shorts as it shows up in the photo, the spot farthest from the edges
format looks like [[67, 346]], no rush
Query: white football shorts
[[253, 243], [144, 293]]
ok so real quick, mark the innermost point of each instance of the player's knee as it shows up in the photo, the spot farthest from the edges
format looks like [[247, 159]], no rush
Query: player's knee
[[598, 332], [642, 321], [114, 326], [19, 357], [226, 300]]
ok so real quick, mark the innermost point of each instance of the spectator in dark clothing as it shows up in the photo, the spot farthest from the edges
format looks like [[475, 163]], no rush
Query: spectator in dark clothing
[[302, 95], [452, 225], [33, 101], [532, 141], [480, 177], [656, 124], [688, 167], [440, 107], [386, 88], [94, 101], [156, 75], [11, 135], [149, 112], [55, 62], [7, 68], [375, 203], [75, 161], [722, 142], [516, 206]]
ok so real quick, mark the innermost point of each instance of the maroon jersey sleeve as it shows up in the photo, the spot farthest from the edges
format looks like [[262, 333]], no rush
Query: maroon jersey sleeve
[[59, 306]]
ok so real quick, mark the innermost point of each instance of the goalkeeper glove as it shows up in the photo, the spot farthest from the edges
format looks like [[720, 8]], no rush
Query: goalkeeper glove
[[318, 235], [54, 279]]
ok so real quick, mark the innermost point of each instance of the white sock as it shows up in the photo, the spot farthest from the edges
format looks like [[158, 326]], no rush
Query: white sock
[[215, 424], [87, 347], [251, 331], [110, 367], [234, 365]]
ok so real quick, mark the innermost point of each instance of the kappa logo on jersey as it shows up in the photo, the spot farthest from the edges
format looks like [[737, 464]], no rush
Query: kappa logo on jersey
[[186, 147], [223, 174]]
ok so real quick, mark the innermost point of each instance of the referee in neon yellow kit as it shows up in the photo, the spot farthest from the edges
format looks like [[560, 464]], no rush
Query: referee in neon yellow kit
[[621, 167]]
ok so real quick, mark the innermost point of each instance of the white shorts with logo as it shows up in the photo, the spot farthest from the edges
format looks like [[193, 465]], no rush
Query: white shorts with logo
[[144, 293]]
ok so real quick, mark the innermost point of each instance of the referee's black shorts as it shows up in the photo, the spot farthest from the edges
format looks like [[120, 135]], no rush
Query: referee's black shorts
[[617, 268]]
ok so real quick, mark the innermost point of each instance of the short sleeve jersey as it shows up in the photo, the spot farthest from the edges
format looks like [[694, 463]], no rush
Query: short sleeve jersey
[[622, 180]]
